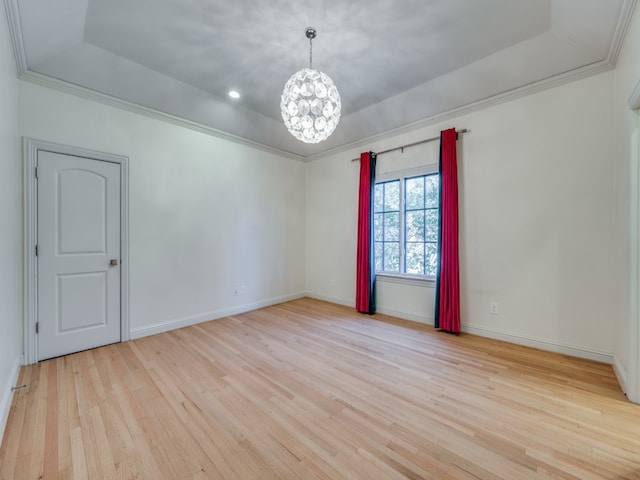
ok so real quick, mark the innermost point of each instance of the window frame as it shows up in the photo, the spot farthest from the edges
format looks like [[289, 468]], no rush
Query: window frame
[[402, 176]]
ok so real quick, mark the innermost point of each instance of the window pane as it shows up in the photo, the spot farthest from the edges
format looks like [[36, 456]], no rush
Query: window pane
[[377, 227], [414, 193], [416, 212], [432, 225], [391, 257], [378, 256], [415, 226], [391, 227], [415, 258], [432, 187], [431, 259], [392, 196], [378, 198]]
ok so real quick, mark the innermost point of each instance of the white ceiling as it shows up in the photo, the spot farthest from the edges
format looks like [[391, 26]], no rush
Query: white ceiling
[[397, 64]]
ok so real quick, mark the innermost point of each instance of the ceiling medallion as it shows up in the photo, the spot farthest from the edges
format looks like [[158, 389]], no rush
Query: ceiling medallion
[[310, 103]]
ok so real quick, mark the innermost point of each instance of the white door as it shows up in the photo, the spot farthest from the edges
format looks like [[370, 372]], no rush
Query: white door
[[78, 251]]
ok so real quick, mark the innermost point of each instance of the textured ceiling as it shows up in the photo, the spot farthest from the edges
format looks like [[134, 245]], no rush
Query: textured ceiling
[[395, 63]]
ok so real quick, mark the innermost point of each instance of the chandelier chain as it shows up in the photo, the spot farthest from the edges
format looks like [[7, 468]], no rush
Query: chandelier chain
[[310, 53]]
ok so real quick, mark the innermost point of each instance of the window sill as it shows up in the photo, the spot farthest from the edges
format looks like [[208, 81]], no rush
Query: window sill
[[406, 280]]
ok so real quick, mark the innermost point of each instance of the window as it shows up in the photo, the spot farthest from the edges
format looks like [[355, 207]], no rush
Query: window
[[406, 225]]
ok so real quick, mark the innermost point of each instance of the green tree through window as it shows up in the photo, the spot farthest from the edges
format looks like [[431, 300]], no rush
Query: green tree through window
[[406, 225]]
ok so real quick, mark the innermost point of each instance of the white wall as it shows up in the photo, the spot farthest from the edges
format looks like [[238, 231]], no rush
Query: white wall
[[627, 214], [206, 214], [10, 226], [543, 214], [536, 200]]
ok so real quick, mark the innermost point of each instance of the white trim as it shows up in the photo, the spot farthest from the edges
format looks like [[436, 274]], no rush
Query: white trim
[[326, 298], [423, 319], [408, 173], [12, 13], [609, 63], [30, 154], [624, 18], [125, 326], [88, 94], [139, 332], [7, 394], [622, 25], [30, 206], [401, 176], [540, 86], [632, 378], [513, 338], [634, 99], [542, 344], [561, 79], [427, 282], [621, 374]]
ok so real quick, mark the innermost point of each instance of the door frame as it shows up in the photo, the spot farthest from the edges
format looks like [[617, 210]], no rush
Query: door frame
[[633, 333], [31, 147]]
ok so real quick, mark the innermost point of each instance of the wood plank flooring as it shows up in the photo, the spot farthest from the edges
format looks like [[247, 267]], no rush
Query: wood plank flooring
[[311, 390]]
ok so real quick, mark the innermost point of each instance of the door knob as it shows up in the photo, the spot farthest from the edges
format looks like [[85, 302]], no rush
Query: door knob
[[114, 262]]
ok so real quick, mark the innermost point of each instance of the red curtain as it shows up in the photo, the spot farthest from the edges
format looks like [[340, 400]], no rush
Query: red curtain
[[365, 266], [447, 311]]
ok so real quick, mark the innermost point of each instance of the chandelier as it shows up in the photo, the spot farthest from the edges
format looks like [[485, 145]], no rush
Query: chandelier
[[310, 103]]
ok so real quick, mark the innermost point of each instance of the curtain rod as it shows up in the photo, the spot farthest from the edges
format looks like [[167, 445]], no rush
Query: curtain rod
[[464, 130]]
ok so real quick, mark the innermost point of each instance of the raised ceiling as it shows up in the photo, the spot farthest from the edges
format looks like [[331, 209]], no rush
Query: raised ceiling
[[397, 64]]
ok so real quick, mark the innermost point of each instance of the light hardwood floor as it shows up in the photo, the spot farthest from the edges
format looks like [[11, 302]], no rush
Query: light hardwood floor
[[311, 390]]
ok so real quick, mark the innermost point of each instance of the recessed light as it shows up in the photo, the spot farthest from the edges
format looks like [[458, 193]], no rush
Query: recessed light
[[233, 94]]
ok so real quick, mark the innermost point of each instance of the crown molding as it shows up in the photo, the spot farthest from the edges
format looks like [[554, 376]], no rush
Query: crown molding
[[526, 90], [548, 83], [12, 13], [624, 18], [88, 94], [622, 25]]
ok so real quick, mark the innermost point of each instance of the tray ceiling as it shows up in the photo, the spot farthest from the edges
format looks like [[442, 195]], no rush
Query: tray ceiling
[[396, 64]]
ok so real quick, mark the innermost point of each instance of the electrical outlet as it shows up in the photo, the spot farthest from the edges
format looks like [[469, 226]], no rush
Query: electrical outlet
[[243, 289], [493, 308], [235, 291]]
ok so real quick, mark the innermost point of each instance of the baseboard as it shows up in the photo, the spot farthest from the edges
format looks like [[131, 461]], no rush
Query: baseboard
[[337, 301], [517, 339], [621, 374], [205, 317], [542, 344], [7, 394], [571, 350], [424, 319]]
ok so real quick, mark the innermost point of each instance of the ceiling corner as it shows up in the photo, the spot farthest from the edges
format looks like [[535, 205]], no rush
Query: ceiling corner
[[12, 13], [622, 25]]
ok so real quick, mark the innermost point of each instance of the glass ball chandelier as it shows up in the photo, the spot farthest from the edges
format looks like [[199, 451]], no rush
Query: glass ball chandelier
[[310, 103]]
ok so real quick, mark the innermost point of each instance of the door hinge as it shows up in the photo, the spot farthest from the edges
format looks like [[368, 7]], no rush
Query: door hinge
[[37, 325], [36, 250], [36, 172]]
